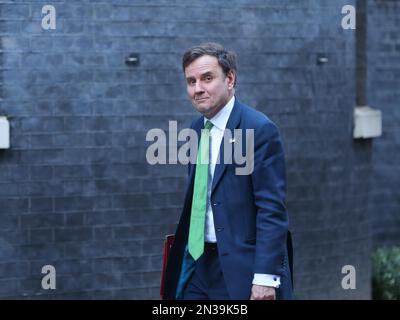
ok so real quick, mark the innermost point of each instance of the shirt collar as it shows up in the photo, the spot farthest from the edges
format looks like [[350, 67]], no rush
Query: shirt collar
[[221, 118]]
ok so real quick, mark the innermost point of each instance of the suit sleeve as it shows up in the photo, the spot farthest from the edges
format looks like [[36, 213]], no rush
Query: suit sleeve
[[269, 190]]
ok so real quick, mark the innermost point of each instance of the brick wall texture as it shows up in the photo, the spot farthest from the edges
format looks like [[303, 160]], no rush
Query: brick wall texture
[[76, 191], [384, 93]]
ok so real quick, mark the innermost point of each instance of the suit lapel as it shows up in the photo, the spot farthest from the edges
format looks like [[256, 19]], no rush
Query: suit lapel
[[233, 123], [199, 124]]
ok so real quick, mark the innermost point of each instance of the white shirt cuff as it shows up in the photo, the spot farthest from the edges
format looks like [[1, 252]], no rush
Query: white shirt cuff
[[269, 280]]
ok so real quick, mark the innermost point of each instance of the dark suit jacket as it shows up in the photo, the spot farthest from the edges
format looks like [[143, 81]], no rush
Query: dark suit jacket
[[250, 217]]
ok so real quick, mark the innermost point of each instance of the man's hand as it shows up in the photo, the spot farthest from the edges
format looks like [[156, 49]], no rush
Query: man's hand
[[262, 293]]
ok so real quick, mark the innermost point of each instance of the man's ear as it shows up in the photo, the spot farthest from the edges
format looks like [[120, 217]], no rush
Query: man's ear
[[231, 79]]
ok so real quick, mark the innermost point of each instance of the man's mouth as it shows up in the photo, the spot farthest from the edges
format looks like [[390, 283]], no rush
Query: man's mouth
[[201, 99]]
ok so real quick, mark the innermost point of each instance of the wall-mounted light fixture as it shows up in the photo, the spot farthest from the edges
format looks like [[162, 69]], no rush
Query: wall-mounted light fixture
[[4, 133], [322, 59], [132, 59], [367, 121]]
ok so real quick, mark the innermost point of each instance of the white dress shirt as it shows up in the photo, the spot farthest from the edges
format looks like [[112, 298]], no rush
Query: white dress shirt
[[219, 122]]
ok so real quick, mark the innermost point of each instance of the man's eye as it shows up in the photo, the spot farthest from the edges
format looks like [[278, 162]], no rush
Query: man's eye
[[208, 78], [191, 82]]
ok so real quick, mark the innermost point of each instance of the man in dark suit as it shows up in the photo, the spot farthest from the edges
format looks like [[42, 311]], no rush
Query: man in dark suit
[[232, 241]]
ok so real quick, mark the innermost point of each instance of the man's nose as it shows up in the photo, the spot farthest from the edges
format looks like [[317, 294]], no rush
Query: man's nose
[[198, 87]]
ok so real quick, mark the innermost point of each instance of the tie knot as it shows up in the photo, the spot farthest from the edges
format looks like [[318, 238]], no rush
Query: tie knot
[[208, 125]]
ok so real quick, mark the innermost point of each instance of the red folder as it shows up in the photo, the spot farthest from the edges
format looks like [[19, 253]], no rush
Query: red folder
[[168, 242]]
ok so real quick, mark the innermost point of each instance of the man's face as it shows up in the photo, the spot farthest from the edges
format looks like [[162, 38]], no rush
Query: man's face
[[207, 86]]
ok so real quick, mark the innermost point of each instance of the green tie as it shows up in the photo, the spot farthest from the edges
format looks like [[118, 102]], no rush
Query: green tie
[[199, 202]]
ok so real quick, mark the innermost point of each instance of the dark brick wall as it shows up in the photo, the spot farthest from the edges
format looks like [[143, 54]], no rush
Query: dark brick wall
[[75, 189], [384, 94]]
